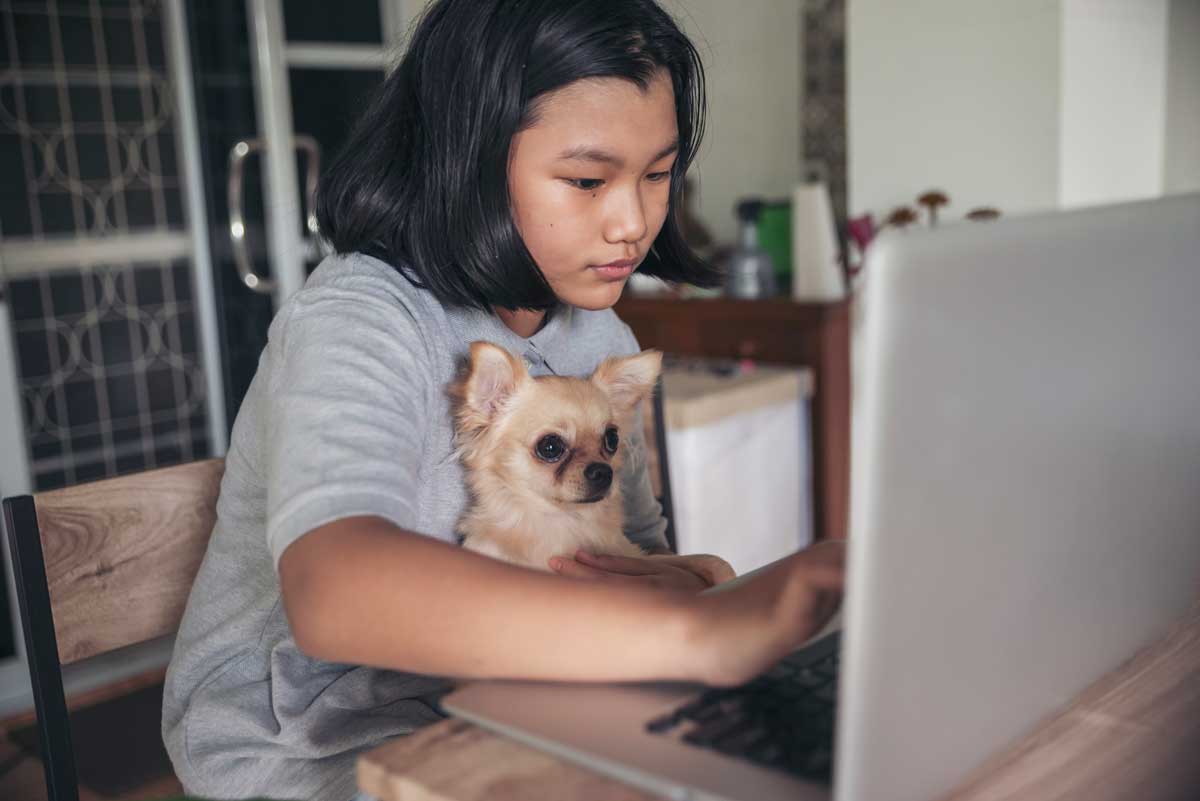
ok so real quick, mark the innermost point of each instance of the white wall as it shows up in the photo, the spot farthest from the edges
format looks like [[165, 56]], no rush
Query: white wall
[[1181, 162], [751, 55], [959, 95], [1113, 113], [1027, 105]]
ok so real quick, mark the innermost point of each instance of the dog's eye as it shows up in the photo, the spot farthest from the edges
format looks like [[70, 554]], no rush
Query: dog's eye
[[611, 440], [550, 448]]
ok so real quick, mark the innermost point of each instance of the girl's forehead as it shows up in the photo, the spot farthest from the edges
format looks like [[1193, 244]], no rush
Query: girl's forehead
[[589, 114], [607, 89]]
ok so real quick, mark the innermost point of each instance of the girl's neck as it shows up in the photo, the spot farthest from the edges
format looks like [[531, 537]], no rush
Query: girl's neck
[[522, 322]]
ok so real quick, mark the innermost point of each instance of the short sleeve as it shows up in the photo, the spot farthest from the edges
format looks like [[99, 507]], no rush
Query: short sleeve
[[345, 413], [645, 525]]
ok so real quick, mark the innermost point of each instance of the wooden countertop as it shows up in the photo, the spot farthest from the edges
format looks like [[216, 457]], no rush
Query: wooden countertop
[[695, 397], [457, 761], [1133, 734]]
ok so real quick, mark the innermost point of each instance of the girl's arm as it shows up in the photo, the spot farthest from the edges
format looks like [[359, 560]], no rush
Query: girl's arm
[[361, 590]]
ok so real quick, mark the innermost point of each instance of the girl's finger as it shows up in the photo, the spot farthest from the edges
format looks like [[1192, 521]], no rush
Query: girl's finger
[[617, 564], [714, 569], [573, 569]]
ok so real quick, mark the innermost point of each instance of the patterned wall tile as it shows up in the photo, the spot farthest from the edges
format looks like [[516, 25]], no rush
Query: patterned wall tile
[[824, 106], [110, 371], [86, 124]]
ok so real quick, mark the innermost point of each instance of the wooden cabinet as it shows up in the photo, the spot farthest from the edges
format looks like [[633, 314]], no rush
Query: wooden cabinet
[[777, 331]]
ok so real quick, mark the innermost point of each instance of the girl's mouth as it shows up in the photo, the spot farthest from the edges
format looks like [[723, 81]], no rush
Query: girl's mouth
[[616, 270]]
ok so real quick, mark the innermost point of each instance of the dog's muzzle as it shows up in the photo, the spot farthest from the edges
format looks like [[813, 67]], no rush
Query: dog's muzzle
[[599, 478]]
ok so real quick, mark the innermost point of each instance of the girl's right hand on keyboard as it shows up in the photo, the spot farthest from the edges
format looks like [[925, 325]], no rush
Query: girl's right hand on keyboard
[[743, 627]]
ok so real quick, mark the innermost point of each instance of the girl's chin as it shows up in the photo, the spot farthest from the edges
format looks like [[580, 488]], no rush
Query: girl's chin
[[597, 297]]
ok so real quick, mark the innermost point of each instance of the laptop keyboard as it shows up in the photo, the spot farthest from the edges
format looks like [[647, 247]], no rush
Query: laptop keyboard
[[783, 719]]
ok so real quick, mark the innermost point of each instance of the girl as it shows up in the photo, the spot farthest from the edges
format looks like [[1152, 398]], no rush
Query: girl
[[522, 160]]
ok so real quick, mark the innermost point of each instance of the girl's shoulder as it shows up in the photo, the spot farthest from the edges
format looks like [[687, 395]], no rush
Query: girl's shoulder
[[355, 284], [357, 302], [360, 276]]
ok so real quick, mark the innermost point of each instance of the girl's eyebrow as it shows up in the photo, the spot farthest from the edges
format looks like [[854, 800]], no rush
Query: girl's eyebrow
[[594, 154]]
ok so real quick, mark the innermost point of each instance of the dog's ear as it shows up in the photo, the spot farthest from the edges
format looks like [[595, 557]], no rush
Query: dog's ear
[[492, 377], [630, 379]]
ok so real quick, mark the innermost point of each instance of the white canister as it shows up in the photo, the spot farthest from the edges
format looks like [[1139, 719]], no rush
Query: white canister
[[816, 258]]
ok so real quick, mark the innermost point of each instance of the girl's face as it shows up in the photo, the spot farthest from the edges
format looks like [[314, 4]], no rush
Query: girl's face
[[590, 182]]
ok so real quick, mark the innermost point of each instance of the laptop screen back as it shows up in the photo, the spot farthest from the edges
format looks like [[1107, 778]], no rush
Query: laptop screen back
[[1025, 509]]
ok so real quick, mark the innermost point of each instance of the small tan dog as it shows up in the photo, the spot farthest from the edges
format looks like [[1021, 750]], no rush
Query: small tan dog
[[542, 455]]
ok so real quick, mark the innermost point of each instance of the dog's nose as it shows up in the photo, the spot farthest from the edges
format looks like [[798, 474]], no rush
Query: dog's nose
[[598, 474]]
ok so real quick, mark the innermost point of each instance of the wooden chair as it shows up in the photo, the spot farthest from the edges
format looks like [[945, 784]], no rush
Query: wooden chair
[[98, 567]]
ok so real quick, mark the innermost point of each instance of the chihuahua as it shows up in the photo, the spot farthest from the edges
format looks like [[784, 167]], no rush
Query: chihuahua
[[542, 455]]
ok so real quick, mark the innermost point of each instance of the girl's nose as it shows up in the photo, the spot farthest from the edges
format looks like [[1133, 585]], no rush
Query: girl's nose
[[626, 218]]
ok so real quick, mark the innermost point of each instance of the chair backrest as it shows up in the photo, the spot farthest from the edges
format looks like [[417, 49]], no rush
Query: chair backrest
[[102, 566]]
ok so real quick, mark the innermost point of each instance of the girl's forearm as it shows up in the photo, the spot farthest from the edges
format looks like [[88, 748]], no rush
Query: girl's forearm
[[364, 591]]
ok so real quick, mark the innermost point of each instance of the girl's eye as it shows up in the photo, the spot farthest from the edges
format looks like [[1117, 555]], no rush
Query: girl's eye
[[611, 440], [659, 177], [550, 448], [586, 184]]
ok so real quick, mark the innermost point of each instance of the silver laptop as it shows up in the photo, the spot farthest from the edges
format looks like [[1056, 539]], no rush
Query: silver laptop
[[1025, 516]]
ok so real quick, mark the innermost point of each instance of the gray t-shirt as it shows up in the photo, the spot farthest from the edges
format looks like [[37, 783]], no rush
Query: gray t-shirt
[[346, 415]]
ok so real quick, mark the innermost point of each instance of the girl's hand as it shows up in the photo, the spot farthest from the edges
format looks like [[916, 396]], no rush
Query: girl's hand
[[741, 629], [682, 573], [713, 569]]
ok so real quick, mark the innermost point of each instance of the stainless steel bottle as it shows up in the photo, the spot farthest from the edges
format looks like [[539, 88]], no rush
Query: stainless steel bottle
[[749, 272]]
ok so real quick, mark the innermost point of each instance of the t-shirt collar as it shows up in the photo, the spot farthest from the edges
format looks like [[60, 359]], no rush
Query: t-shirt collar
[[543, 349]]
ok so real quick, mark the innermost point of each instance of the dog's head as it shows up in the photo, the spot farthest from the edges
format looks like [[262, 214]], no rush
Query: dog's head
[[549, 438]]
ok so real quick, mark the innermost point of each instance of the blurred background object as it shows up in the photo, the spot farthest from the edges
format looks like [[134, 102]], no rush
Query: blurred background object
[[901, 217], [817, 267], [932, 201], [749, 270], [983, 215], [738, 443]]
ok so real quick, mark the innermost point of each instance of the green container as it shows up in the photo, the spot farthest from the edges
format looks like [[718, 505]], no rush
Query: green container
[[775, 237]]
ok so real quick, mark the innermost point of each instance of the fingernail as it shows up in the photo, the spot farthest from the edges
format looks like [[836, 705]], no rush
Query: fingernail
[[555, 564]]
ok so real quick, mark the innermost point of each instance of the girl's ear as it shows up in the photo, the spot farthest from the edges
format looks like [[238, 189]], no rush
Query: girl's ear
[[492, 377], [630, 379]]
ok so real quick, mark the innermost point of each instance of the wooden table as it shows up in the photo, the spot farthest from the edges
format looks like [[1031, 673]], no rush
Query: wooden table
[[1133, 734]]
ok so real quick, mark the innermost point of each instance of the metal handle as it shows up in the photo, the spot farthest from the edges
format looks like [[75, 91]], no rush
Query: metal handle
[[313, 245], [237, 221]]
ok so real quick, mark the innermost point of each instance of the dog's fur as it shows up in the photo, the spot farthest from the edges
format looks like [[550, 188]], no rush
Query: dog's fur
[[523, 508]]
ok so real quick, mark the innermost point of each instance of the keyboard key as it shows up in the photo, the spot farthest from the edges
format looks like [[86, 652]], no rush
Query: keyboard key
[[706, 713], [770, 753], [664, 723], [817, 763], [827, 692], [741, 742], [715, 730]]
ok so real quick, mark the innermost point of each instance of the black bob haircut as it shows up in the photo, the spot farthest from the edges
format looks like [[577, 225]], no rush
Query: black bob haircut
[[422, 181]]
